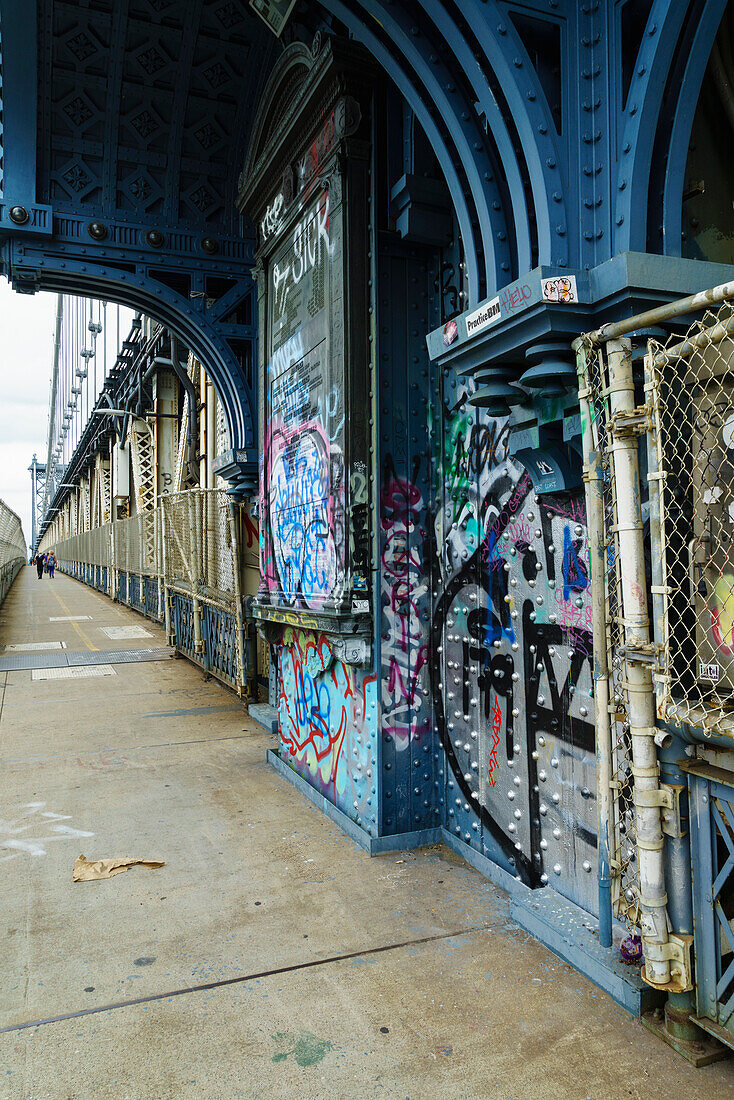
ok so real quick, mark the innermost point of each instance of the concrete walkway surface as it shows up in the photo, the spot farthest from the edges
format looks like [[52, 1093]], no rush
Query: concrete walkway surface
[[270, 957]]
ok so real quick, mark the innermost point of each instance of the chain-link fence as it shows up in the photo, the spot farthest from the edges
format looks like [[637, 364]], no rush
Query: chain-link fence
[[90, 547], [197, 545], [12, 548], [177, 562], [659, 466], [691, 396]]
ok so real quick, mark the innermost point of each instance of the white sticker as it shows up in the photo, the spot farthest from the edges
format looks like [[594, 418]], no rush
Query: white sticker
[[359, 606], [708, 672], [486, 315], [560, 288]]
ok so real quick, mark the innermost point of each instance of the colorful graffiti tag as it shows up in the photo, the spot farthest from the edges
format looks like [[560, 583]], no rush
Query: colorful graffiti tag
[[510, 658], [327, 716], [301, 515], [404, 588]]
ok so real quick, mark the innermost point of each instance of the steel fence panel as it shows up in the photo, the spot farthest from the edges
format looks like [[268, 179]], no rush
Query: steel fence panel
[[12, 548], [198, 551], [691, 394]]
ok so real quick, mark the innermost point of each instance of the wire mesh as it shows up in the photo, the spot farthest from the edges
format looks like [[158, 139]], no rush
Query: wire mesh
[[198, 552], [623, 858], [12, 548], [692, 401]]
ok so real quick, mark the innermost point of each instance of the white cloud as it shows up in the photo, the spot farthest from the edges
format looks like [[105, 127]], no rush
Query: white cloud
[[26, 357]]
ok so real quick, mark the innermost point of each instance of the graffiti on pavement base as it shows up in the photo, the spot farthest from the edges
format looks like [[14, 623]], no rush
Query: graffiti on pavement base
[[327, 722]]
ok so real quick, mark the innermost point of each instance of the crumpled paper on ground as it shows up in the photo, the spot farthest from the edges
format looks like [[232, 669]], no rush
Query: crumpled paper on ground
[[89, 870]]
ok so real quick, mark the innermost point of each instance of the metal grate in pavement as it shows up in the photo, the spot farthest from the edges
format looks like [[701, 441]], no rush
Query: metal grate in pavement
[[121, 633], [72, 673], [14, 663], [122, 656]]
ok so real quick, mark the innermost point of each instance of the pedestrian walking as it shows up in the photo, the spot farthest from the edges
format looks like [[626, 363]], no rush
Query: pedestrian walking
[[51, 563], [40, 562]]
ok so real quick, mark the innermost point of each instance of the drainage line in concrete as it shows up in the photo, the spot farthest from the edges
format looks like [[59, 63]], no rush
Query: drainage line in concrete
[[2, 697], [244, 978], [127, 748]]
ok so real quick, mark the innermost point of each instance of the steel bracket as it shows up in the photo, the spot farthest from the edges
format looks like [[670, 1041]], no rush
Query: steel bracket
[[671, 821], [677, 951], [662, 796], [635, 422], [646, 654]]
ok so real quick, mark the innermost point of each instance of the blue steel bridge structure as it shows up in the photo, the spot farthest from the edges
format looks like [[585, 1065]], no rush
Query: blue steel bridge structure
[[358, 241]]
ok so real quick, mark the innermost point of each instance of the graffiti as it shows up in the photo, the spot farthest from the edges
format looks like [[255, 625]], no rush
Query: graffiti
[[496, 734], [273, 217], [721, 610], [251, 530], [510, 656], [32, 829], [575, 575], [403, 588], [290, 618], [327, 722], [515, 297], [309, 247], [301, 514], [561, 289]]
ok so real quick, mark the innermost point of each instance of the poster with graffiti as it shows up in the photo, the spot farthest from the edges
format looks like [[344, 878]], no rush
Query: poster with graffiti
[[302, 543]]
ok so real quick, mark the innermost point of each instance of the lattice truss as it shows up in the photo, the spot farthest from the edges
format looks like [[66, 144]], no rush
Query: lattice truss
[[143, 461], [84, 504], [104, 483], [722, 881], [623, 857], [691, 396]]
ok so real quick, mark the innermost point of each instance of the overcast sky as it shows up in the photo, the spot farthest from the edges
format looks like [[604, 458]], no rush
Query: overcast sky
[[27, 325], [26, 358]]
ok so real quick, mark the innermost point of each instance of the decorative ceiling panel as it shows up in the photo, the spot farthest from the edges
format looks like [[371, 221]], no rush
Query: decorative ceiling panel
[[145, 106]]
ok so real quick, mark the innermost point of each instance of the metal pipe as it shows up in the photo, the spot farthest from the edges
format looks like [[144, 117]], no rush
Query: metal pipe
[[700, 340], [639, 685], [593, 485], [668, 312], [195, 578], [170, 640], [188, 385], [211, 433], [243, 672], [677, 850], [657, 545]]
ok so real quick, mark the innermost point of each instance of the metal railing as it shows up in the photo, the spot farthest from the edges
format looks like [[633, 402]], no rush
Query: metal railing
[[177, 563], [12, 548]]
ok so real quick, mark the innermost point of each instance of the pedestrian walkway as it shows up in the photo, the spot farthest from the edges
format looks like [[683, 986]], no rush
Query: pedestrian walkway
[[269, 957]]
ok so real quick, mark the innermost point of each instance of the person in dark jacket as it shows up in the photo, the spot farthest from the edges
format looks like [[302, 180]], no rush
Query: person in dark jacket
[[40, 562]]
